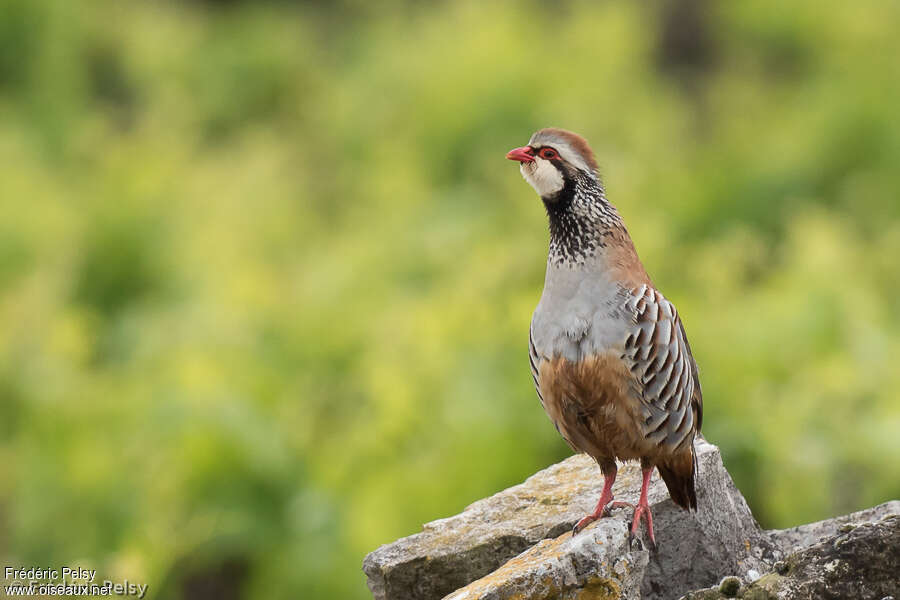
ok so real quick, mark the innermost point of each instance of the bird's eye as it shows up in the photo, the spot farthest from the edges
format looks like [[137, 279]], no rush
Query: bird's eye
[[548, 153]]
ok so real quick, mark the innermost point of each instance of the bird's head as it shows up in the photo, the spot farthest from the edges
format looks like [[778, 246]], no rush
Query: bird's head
[[553, 160]]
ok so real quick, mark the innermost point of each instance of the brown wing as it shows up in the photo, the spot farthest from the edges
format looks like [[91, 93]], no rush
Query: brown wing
[[658, 355]]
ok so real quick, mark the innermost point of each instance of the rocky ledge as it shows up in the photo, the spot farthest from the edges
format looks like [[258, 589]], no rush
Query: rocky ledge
[[517, 544]]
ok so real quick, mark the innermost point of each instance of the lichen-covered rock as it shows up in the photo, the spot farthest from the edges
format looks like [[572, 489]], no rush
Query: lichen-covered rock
[[797, 538], [517, 544], [450, 553], [861, 562], [696, 549], [595, 565]]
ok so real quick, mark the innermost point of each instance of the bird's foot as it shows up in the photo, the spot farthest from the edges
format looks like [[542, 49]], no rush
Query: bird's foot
[[601, 512], [642, 509], [580, 525], [603, 505]]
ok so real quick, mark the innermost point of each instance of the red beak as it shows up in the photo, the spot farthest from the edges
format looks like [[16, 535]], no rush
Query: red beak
[[523, 154]]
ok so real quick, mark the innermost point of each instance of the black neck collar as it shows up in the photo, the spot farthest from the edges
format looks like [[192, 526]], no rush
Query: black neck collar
[[580, 220]]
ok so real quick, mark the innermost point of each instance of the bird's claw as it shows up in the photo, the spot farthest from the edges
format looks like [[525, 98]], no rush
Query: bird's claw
[[635, 523], [651, 544], [580, 525]]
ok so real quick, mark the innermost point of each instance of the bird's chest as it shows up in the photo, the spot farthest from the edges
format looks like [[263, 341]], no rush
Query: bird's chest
[[577, 318]]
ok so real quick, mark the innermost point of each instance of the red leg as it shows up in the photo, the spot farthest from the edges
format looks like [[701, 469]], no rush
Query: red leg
[[643, 508], [601, 509]]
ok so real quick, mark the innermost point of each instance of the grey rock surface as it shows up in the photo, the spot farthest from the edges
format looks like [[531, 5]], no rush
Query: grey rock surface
[[796, 538], [861, 562], [720, 538], [696, 548]]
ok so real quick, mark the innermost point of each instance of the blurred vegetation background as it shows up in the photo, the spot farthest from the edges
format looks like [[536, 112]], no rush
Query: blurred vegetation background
[[267, 277]]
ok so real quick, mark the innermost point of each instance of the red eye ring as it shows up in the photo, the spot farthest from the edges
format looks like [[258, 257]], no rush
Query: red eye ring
[[548, 153]]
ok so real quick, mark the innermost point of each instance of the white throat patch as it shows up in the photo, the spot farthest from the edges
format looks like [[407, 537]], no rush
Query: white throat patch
[[543, 177]]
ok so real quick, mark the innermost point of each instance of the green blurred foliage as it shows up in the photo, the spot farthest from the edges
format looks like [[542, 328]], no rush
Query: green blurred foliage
[[266, 276]]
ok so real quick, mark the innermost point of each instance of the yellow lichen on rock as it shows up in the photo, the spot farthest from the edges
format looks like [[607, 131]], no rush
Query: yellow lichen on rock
[[599, 588]]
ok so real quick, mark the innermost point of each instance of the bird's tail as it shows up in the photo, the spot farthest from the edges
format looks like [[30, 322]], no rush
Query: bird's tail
[[678, 473]]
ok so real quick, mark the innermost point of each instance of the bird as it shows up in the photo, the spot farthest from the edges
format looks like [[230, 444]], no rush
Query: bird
[[608, 352]]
